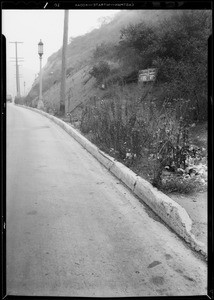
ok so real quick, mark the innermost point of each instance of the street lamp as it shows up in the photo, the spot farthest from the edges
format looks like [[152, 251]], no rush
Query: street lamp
[[40, 52]]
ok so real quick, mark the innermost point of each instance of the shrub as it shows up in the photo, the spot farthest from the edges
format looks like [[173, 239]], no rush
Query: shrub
[[103, 51], [178, 49], [183, 185], [19, 100], [100, 71], [130, 127]]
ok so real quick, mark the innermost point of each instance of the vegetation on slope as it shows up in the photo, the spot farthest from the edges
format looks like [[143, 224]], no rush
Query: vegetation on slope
[[81, 48], [177, 47], [146, 126]]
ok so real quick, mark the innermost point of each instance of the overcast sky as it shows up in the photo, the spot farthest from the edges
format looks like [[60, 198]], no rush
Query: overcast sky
[[29, 26]]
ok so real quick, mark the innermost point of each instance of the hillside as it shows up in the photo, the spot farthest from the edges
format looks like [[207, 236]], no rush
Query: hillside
[[145, 125], [79, 57]]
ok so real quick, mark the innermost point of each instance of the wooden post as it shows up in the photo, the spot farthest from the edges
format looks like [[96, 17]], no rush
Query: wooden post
[[64, 60]]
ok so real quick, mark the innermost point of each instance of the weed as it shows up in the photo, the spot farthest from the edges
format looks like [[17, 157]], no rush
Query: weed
[[181, 184]]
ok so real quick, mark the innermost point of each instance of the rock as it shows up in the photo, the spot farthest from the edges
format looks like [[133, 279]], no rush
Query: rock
[[204, 161], [180, 171], [170, 168], [204, 176], [202, 181], [187, 176], [192, 171]]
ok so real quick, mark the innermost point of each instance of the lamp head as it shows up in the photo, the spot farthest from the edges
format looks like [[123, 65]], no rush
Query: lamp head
[[40, 48]]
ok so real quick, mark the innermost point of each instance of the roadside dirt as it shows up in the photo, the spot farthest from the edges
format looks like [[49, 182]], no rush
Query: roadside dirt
[[196, 207], [196, 202]]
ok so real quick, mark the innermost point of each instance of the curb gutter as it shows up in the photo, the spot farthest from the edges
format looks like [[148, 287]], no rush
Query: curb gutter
[[174, 215]]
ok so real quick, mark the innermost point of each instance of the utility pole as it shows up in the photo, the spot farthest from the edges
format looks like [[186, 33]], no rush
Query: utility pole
[[64, 60], [17, 68], [18, 76]]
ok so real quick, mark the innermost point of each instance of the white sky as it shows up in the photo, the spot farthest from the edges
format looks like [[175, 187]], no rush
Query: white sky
[[29, 26]]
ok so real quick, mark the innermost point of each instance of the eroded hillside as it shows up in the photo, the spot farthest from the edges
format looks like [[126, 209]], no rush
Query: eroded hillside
[[79, 55]]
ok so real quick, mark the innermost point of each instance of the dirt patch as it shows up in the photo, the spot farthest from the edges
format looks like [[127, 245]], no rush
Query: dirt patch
[[196, 207]]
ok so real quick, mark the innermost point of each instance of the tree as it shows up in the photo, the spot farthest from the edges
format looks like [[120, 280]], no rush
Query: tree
[[177, 47]]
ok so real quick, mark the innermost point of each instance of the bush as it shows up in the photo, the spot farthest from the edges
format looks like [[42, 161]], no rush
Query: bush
[[19, 100], [100, 71], [177, 47], [183, 185], [130, 127], [103, 51]]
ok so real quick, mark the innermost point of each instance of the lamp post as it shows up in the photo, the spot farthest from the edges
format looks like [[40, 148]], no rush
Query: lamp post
[[40, 52]]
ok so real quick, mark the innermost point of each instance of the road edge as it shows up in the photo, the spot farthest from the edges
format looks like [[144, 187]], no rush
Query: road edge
[[173, 214]]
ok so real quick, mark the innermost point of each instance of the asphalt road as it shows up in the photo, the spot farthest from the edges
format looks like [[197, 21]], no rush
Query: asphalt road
[[74, 230]]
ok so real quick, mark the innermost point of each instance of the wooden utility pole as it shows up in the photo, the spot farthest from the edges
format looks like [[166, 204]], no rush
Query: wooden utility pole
[[17, 69], [64, 60]]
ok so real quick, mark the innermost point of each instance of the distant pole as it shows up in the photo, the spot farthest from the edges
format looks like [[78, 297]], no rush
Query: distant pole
[[64, 60], [17, 69], [24, 88], [17, 73]]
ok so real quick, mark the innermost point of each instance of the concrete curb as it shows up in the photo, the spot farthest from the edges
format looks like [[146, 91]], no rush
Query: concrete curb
[[174, 215]]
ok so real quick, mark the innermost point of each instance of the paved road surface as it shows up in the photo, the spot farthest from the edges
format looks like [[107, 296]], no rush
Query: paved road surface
[[74, 230]]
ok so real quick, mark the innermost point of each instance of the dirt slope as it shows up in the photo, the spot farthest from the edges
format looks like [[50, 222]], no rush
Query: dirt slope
[[79, 54]]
